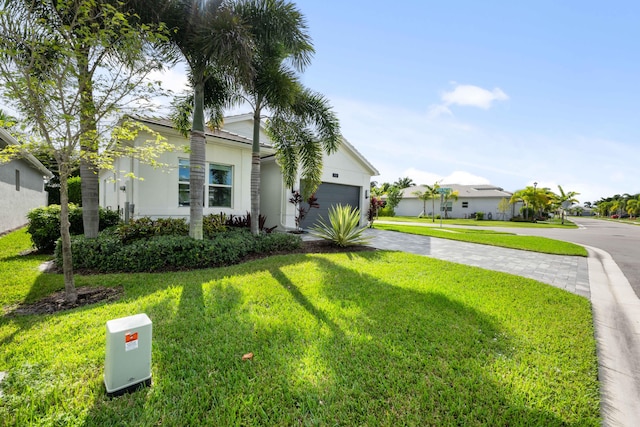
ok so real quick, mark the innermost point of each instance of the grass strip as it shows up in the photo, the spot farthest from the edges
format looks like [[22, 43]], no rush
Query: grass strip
[[493, 238], [551, 223]]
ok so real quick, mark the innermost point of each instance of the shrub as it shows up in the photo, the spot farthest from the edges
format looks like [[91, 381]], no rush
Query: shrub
[[44, 224], [74, 190], [144, 228], [214, 223], [479, 216], [108, 253], [343, 229], [386, 211]]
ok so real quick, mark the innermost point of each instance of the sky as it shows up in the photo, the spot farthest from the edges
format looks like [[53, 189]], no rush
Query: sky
[[495, 92]]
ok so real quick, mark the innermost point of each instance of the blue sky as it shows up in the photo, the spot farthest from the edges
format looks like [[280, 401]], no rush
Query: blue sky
[[500, 92]]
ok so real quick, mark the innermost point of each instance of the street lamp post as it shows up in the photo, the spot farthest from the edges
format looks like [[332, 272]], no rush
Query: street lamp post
[[535, 185]]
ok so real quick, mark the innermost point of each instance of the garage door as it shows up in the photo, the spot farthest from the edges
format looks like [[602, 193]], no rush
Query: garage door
[[330, 195]]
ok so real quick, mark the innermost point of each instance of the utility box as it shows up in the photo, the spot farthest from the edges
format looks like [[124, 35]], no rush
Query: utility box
[[127, 364]]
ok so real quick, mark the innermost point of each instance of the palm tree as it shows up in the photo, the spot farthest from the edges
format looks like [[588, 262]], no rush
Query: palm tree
[[404, 183], [302, 124], [565, 199], [448, 195], [215, 44], [431, 192]]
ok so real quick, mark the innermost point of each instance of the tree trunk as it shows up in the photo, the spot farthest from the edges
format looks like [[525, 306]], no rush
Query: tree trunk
[[433, 209], [71, 295], [89, 181], [197, 164], [255, 172]]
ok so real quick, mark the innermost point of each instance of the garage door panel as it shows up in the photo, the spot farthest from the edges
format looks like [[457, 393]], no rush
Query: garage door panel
[[331, 195]]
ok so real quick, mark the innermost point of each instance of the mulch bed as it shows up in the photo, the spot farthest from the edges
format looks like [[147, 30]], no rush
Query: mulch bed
[[88, 295]]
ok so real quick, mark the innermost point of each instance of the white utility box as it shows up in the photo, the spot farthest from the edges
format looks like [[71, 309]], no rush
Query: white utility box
[[127, 364]]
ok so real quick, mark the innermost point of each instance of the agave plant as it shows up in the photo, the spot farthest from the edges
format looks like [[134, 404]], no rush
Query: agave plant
[[343, 227]]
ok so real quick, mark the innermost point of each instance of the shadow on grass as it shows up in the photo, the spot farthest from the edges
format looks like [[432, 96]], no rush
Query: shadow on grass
[[363, 351]]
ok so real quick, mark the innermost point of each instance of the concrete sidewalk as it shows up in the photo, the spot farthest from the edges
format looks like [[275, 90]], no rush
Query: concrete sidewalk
[[616, 309]]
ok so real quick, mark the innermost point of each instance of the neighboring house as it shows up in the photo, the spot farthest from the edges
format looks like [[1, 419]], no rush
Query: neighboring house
[[21, 186], [165, 192], [471, 199]]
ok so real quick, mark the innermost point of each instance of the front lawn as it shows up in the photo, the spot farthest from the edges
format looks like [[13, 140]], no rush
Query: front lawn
[[367, 338], [493, 238]]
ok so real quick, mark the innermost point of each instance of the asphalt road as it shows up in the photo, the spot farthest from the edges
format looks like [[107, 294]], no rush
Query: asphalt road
[[621, 241]]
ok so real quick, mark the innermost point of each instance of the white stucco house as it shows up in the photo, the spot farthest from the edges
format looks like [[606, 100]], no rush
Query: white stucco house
[[164, 192], [471, 199], [21, 186]]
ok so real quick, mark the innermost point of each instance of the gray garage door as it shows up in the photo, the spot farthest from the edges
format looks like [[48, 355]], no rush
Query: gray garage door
[[329, 195]]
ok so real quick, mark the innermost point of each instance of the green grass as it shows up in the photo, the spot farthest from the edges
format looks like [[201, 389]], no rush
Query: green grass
[[493, 238], [339, 339], [552, 223]]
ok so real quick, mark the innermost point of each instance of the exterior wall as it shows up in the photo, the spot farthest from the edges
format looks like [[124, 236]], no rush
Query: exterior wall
[[274, 198], [14, 205], [154, 192], [414, 206]]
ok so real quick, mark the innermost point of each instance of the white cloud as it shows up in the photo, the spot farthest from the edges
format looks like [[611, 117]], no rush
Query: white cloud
[[457, 177], [473, 96]]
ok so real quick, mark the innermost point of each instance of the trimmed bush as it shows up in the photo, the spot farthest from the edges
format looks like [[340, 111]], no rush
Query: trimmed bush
[[145, 228], [386, 211], [44, 224], [479, 216], [107, 253]]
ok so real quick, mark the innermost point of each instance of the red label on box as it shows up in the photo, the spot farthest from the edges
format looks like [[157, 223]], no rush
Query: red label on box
[[131, 337]]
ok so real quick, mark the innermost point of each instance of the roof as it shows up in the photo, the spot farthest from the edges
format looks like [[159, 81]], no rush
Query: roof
[[343, 141], [464, 191], [218, 133], [6, 139]]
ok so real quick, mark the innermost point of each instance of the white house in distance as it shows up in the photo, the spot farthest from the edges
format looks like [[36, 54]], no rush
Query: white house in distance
[[471, 199], [21, 186], [165, 192]]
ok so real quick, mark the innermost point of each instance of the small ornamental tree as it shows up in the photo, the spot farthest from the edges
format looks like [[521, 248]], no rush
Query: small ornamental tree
[[301, 210], [372, 213]]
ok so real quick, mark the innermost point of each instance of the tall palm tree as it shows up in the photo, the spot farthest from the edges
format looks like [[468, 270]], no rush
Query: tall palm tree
[[302, 124], [211, 38]]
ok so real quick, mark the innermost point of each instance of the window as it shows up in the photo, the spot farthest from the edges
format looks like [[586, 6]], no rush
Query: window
[[446, 206], [220, 183], [465, 204], [17, 180], [183, 182], [218, 186]]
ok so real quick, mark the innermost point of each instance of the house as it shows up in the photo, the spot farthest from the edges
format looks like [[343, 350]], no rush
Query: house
[[21, 186], [165, 192], [471, 199]]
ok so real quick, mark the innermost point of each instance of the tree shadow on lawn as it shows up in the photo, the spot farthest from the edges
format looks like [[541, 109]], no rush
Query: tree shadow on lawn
[[356, 353]]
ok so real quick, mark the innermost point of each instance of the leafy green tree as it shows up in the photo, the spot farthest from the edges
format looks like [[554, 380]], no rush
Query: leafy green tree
[[211, 38], [101, 39], [394, 196], [44, 81], [503, 207], [302, 124]]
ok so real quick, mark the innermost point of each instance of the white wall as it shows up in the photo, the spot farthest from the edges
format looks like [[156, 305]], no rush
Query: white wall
[[413, 207], [154, 191], [14, 205]]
